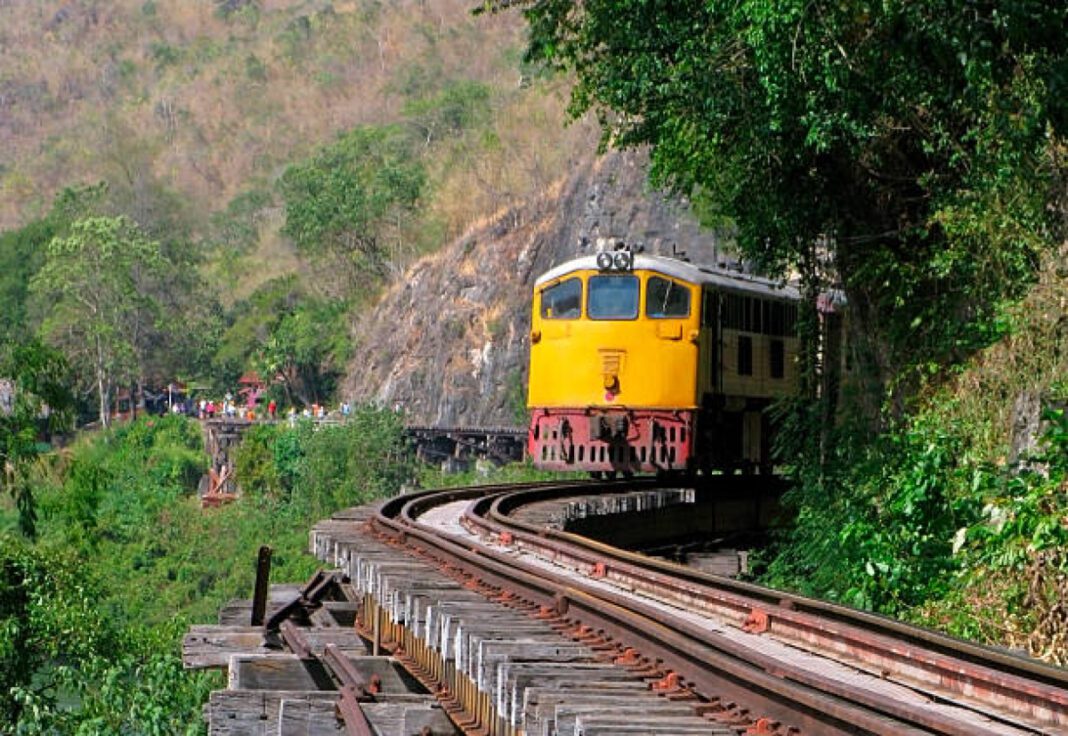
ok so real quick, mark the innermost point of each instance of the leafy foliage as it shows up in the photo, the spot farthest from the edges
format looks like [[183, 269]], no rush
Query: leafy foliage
[[457, 107], [307, 350], [22, 253], [20, 256], [97, 284], [886, 542], [1013, 563], [46, 613], [354, 196], [57, 645], [320, 468], [36, 400], [287, 335], [88, 631], [913, 135]]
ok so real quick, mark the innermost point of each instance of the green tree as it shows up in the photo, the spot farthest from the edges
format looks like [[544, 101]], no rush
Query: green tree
[[97, 288], [22, 254], [20, 257], [321, 468], [35, 400], [307, 349], [912, 138], [355, 197], [55, 638], [250, 323], [286, 335], [46, 614], [457, 107]]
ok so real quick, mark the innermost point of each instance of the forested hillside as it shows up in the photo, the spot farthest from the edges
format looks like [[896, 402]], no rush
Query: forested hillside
[[265, 168], [194, 191]]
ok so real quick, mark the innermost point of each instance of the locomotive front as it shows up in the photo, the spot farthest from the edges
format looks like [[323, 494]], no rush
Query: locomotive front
[[615, 345]]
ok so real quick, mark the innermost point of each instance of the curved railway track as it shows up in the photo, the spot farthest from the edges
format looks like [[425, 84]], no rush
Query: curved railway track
[[702, 653]]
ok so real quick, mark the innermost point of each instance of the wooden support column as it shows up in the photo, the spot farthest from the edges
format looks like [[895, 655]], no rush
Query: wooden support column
[[263, 579]]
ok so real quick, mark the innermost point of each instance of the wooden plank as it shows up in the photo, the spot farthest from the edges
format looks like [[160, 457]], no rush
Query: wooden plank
[[557, 712], [252, 712], [318, 718], [271, 712], [289, 672], [277, 672], [308, 718], [212, 646], [605, 724]]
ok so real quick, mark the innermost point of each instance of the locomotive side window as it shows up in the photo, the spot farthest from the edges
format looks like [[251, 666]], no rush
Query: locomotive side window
[[612, 297], [742, 313], [780, 319], [665, 299], [745, 355], [777, 358], [562, 300], [752, 314], [709, 309]]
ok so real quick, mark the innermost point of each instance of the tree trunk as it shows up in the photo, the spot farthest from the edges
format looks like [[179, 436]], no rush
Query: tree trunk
[[105, 401]]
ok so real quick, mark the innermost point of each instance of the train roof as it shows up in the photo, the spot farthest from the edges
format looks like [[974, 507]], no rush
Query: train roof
[[684, 271]]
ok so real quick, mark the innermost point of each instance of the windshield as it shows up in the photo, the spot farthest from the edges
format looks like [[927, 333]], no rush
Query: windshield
[[562, 300], [665, 298], [613, 297]]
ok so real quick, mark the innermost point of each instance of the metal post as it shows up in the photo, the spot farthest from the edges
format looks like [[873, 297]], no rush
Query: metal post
[[376, 641], [263, 579]]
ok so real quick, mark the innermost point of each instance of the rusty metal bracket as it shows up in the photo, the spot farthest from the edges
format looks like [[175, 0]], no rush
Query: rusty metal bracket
[[295, 640], [352, 715], [347, 676], [311, 596], [757, 622], [353, 691]]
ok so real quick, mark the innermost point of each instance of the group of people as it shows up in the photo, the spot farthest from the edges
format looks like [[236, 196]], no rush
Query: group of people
[[205, 408], [315, 411]]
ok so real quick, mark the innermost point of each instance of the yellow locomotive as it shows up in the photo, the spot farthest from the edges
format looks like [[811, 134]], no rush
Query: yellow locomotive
[[642, 363]]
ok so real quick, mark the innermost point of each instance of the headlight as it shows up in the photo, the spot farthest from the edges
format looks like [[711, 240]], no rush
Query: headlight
[[604, 260], [623, 260]]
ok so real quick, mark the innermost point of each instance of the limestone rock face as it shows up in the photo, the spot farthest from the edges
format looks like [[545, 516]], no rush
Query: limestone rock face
[[449, 342]]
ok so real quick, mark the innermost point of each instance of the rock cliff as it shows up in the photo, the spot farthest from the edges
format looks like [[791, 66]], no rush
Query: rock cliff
[[448, 343]]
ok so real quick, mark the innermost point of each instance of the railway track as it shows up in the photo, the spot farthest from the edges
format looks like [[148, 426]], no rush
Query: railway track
[[518, 628]]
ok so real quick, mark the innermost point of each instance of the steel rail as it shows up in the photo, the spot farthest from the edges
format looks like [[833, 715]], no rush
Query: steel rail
[[503, 505], [352, 689], [704, 669], [709, 663], [1025, 687]]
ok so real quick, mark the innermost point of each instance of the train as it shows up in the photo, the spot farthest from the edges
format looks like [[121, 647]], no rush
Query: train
[[645, 363]]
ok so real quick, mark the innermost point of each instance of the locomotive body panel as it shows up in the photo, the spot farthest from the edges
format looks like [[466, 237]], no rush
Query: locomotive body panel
[[634, 361]]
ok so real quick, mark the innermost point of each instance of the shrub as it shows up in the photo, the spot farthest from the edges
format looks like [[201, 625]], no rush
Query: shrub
[[876, 518], [319, 468]]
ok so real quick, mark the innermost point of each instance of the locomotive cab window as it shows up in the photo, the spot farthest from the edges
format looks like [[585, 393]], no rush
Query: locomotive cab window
[[612, 297], [562, 300], [665, 299]]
